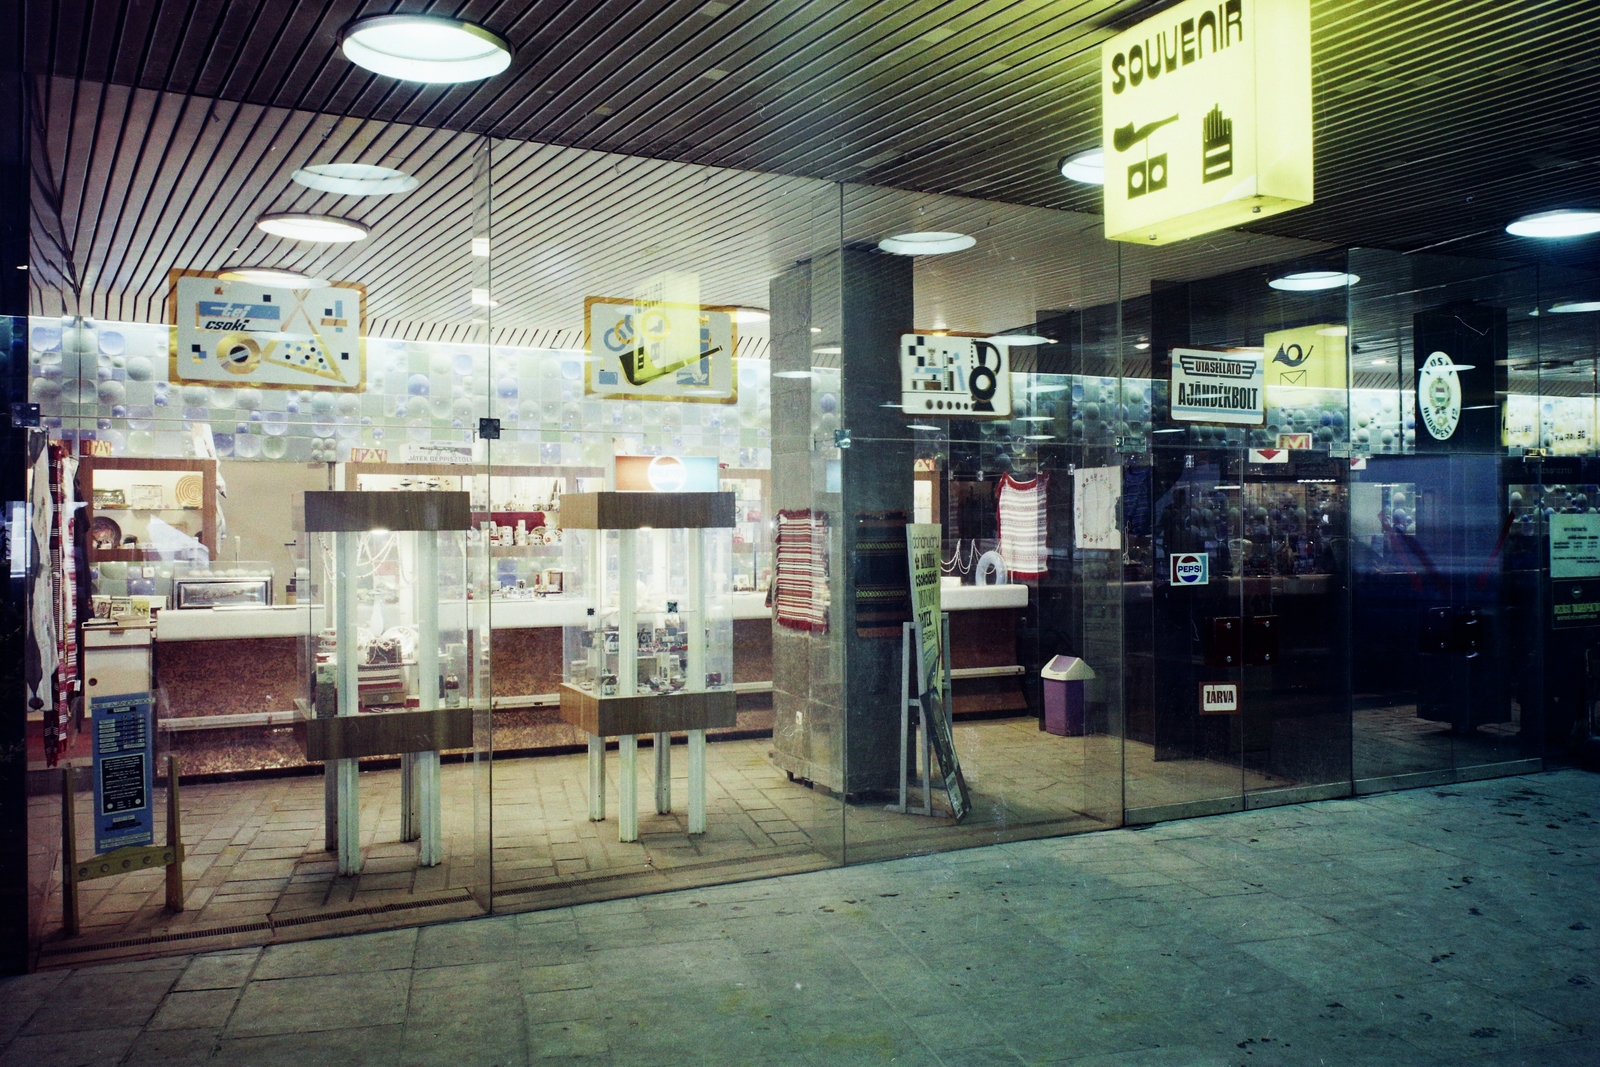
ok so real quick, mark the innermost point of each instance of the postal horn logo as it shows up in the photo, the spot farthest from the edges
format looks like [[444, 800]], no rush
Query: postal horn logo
[[1439, 395]]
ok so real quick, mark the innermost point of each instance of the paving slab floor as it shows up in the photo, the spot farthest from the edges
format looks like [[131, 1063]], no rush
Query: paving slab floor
[[1456, 925]]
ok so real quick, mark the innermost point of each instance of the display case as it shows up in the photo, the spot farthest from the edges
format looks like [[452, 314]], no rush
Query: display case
[[389, 651], [149, 509], [654, 654]]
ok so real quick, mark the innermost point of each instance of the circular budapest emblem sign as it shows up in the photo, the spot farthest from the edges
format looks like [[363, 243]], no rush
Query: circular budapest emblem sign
[[1439, 395]]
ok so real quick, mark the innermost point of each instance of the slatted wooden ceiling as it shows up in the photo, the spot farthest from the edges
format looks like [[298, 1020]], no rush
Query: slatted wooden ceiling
[[1434, 120], [131, 183]]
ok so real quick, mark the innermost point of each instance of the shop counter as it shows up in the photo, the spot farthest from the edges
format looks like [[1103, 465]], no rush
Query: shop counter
[[230, 675]]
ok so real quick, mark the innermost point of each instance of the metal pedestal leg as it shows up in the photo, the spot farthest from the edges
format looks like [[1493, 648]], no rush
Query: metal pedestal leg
[[597, 779], [663, 743], [628, 788], [697, 781]]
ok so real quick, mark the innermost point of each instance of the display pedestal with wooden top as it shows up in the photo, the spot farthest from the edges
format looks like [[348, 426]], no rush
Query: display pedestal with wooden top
[[655, 655]]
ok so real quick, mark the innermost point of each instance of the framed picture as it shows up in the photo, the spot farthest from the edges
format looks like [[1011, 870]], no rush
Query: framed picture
[[146, 497], [224, 592]]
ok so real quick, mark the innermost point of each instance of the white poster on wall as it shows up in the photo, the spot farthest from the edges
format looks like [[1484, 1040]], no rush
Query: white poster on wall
[[240, 333], [1096, 499], [1226, 387], [1575, 545]]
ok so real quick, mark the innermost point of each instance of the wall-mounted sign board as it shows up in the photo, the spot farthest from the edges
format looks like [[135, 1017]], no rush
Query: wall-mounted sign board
[[1223, 387], [1207, 118], [656, 347], [1219, 698], [242, 333], [954, 377]]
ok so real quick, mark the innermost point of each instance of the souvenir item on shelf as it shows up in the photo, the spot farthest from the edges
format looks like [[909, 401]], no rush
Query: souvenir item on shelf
[[146, 497], [104, 533], [110, 499], [188, 492]]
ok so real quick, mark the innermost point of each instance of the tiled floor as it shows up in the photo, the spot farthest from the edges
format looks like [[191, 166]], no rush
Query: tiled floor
[[1454, 926], [257, 870]]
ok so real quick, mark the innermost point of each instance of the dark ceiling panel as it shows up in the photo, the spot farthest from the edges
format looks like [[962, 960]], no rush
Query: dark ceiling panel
[[1433, 120]]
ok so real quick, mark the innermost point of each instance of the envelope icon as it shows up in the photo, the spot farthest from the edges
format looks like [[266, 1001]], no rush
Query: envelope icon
[[1292, 377]]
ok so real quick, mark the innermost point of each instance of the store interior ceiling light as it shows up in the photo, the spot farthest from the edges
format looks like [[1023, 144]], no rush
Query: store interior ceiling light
[[1036, 390], [1086, 167], [1311, 281], [1552, 225], [920, 426], [1034, 418], [928, 243], [425, 48], [480, 298], [1022, 339], [1039, 437], [271, 277], [354, 179], [1573, 307], [751, 316], [1142, 346], [322, 228]]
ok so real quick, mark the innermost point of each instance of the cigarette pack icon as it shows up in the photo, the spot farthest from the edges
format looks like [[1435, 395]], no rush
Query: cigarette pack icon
[[1216, 146]]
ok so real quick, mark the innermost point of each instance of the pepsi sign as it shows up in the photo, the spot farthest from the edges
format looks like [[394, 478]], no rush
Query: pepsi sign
[[1190, 568]]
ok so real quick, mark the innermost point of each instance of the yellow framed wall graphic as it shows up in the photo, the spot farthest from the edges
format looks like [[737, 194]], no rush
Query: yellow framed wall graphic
[[1206, 118], [660, 350], [243, 334]]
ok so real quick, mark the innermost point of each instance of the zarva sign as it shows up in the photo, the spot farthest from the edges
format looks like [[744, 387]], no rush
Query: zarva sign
[[1207, 118]]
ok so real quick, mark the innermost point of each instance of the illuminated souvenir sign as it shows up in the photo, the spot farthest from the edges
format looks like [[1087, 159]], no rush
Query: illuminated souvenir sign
[[1439, 395], [1218, 387], [1207, 118], [245, 333], [954, 377]]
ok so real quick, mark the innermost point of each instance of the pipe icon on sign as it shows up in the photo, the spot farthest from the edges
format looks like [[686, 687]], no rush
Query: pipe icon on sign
[[1216, 146]]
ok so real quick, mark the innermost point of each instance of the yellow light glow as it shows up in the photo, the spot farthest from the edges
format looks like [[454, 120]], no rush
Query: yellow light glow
[[1207, 118]]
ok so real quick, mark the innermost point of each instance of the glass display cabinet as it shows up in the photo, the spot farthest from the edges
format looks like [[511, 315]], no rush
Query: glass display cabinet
[[655, 652], [388, 651]]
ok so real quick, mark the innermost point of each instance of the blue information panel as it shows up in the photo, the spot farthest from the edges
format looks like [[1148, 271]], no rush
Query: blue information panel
[[123, 778]]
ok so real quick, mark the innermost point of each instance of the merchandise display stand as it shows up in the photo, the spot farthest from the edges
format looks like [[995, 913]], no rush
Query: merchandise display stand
[[910, 720], [122, 860], [339, 732], [674, 549]]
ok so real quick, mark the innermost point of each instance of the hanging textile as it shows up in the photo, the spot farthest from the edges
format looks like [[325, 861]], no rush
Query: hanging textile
[[1023, 542], [63, 549], [800, 600], [882, 574], [39, 660]]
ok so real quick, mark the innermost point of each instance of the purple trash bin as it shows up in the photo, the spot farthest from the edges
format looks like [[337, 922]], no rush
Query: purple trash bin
[[1063, 678]]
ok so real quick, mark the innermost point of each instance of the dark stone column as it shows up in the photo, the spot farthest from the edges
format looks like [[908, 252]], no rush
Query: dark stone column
[[836, 695]]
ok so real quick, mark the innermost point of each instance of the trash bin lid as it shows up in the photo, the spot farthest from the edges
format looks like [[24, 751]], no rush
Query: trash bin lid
[[1066, 669]]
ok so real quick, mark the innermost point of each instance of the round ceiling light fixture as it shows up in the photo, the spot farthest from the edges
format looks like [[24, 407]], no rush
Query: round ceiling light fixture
[[1573, 307], [1022, 339], [271, 277], [425, 48], [1311, 281], [751, 316], [1551, 225], [927, 243], [324, 228], [354, 179], [1086, 167]]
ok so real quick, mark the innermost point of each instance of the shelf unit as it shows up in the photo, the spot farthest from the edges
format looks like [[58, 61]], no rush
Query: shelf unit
[[120, 472]]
